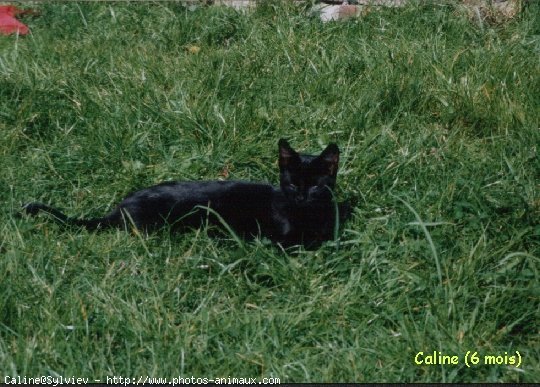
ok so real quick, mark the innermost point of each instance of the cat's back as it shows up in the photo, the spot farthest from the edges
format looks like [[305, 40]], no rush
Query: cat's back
[[203, 191]]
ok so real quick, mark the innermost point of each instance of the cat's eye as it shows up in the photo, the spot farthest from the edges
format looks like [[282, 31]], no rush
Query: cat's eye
[[293, 186]]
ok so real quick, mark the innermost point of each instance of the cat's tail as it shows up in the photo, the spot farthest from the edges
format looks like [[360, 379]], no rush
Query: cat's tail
[[91, 224]]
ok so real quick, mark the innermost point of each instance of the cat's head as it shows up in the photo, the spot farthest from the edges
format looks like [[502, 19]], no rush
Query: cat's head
[[305, 178]]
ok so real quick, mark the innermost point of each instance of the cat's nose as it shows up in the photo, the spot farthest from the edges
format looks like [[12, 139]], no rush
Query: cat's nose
[[299, 198]]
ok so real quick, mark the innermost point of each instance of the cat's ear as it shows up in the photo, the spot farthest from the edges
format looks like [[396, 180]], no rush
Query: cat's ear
[[330, 158], [287, 155]]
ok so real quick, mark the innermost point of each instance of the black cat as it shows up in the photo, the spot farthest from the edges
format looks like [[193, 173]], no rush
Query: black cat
[[301, 211]]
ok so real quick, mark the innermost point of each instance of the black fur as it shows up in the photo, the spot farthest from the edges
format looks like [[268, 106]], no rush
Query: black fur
[[300, 211]]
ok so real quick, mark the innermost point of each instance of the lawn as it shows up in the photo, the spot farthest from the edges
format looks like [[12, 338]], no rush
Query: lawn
[[437, 118]]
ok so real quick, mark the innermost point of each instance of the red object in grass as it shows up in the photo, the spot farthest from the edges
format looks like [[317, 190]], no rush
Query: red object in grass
[[8, 23]]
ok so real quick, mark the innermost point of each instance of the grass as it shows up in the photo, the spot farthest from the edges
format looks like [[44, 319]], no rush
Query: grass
[[438, 123]]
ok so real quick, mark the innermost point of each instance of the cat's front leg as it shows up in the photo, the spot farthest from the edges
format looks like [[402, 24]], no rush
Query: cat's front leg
[[282, 226]]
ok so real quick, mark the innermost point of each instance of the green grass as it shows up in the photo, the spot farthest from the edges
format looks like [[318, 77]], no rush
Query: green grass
[[438, 123]]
